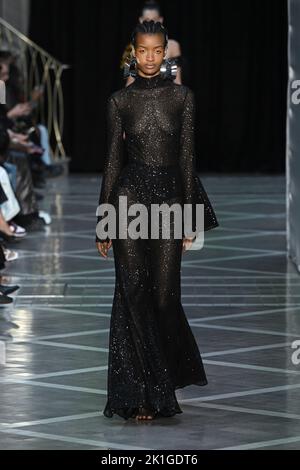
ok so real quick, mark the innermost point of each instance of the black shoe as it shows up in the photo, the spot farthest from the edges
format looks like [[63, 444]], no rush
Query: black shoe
[[4, 299], [6, 290], [30, 222], [35, 225], [38, 183], [54, 170]]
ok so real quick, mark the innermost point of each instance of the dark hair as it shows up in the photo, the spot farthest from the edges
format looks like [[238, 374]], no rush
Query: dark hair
[[5, 56], [151, 5], [149, 27], [4, 140]]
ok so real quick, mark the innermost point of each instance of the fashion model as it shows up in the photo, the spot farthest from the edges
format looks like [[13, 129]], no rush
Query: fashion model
[[152, 350]]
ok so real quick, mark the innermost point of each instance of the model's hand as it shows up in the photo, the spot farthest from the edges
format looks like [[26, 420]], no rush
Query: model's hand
[[103, 248], [187, 243]]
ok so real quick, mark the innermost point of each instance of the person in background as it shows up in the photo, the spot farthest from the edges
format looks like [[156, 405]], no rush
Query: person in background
[[5, 228], [22, 112]]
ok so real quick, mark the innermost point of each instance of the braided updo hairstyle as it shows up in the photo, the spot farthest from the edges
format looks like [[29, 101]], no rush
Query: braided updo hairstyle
[[149, 27]]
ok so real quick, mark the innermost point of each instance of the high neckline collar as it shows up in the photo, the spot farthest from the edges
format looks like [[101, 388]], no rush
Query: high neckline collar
[[149, 82]]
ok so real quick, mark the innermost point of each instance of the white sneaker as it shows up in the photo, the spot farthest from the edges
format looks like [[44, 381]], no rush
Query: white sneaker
[[17, 230], [46, 217]]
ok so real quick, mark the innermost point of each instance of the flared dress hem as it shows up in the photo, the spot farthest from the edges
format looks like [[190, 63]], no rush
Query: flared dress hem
[[157, 412]]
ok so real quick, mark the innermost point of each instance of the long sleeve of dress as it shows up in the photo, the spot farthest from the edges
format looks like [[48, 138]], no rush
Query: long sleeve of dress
[[194, 192], [114, 157]]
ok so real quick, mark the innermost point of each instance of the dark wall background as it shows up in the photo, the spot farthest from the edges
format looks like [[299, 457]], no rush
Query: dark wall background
[[236, 52]]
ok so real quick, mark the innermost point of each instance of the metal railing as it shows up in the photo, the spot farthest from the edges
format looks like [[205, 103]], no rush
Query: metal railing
[[39, 68]]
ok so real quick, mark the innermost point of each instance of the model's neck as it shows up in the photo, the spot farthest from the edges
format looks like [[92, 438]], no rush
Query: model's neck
[[153, 81], [148, 76]]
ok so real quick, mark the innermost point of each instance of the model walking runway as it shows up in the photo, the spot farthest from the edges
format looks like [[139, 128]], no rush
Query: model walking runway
[[152, 349]]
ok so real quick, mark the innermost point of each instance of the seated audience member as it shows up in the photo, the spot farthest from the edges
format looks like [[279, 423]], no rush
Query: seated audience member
[[22, 114], [29, 216]]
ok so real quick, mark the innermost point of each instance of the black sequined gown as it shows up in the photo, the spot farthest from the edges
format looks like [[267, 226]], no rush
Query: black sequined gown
[[152, 350]]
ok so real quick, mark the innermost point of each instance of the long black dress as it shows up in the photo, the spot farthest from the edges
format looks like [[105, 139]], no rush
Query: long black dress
[[152, 350]]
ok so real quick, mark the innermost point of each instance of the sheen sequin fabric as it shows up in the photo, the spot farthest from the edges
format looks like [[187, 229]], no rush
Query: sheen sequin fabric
[[152, 350]]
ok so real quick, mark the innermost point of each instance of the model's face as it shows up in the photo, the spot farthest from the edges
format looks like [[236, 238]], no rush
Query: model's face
[[149, 15], [149, 52]]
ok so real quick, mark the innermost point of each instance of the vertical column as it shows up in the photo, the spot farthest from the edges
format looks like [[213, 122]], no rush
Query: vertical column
[[293, 135], [2, 353]]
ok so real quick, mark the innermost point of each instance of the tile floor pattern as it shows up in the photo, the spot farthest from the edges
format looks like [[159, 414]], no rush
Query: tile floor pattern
[[242, 298]]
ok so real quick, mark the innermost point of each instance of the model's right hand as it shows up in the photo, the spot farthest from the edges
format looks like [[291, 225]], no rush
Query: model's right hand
[[103, 248], [187, 243]]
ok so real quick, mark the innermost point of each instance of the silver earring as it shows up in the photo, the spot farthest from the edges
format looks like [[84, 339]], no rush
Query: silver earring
[[168, 68], [130, 67]]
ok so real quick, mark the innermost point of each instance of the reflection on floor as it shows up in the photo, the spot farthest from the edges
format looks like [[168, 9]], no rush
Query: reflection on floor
[[242, 299]]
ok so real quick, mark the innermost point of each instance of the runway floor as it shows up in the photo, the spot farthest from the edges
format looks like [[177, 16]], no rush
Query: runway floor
[[241, 296]]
